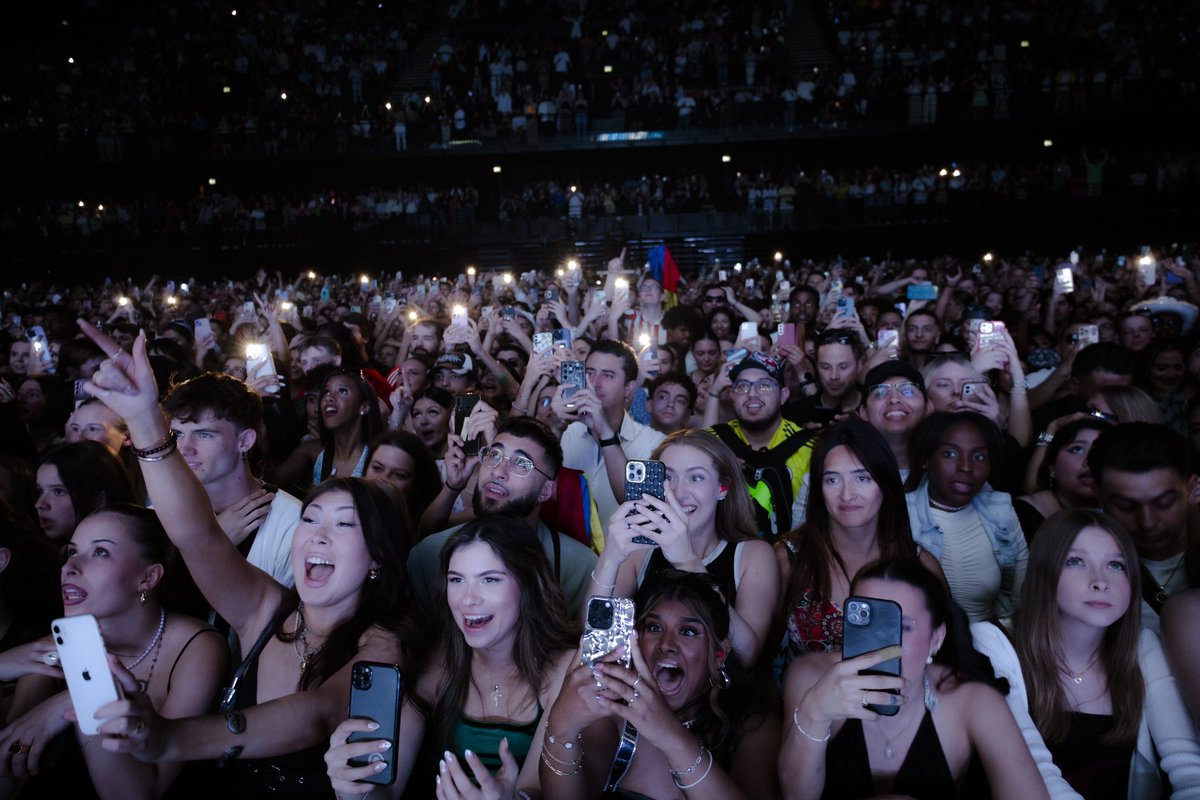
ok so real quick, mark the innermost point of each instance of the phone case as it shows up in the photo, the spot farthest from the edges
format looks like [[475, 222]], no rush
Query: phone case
[[376, 693], [872, 624], [561, 337], [747, 330], [542, 341], [608, 625], [573, 373], [259, 363], [85, 665], [787, 334], [464, 404], [642, 478]]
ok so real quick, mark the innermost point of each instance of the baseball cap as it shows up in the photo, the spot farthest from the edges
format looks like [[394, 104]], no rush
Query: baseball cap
[[458, 363], [894, 369], [761, 361]]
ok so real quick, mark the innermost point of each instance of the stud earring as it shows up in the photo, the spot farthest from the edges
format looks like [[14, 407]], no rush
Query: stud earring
[[373, 574], [142, 597]]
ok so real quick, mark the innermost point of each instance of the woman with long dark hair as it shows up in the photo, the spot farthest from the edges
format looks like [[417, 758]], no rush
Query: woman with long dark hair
[[350, 604], [952, 716], [856, 516], [1099, 687], [403, 460], [505, 644], [686, 720], [74, 480]]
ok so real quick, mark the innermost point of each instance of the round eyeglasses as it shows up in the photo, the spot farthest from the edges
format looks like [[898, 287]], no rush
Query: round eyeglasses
[[761, 387], [519, 466]]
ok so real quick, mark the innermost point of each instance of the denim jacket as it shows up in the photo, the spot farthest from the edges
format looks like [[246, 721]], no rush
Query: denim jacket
[[1000, 522]]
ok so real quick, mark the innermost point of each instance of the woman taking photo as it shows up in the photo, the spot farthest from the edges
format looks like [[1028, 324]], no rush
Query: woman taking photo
[[507, 642], [115, 561], [1099, 688], [952, 716], [1064, 479], [290, 691], [683, 721], [856, 516], [705, 525], [349, 421], [970, 529]]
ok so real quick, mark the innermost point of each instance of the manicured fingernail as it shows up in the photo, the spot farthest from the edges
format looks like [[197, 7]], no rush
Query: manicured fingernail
[[438, 778], [372, 726], [442, 765], [379, 766], [384, 744], [468, 753]]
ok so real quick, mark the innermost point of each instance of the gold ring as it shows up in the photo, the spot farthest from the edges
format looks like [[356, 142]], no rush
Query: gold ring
[[23, 750]]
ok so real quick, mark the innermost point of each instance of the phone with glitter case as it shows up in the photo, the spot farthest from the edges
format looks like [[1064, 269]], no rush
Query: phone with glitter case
[[85, 665], [872, 624], [607, 626]]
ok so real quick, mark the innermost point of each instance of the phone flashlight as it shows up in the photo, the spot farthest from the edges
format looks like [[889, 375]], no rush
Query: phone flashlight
[[122, 301], [644, 340], [256, 351]]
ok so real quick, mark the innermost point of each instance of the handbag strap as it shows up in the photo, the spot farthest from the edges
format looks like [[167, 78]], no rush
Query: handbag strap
[[621, 761], [229, 696]]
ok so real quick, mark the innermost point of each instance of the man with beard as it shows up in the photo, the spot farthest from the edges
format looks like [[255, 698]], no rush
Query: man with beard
[[515, 475], [774, 452]]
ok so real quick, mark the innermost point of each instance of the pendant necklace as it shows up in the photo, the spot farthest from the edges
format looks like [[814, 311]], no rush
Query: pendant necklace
[[300, 643], [1162, 594], [1077, 677]]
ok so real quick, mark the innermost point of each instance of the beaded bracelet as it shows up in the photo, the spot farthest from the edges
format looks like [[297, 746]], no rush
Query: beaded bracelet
[[163, 447], [806, 734]]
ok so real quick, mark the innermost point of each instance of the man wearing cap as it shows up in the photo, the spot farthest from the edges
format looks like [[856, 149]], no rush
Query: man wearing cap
[[774, 452], [454, 372]]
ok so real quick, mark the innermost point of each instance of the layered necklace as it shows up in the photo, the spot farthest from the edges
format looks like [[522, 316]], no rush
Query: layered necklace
[[155, 642], [300, 643], [1077, 677]]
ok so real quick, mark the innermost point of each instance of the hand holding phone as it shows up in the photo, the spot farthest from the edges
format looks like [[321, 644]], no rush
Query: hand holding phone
[[872, 624], [376, 693], [609, 622], [645, 478], [85, 665]]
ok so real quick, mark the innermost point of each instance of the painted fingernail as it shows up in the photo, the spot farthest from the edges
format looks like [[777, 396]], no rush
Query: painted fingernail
[[372, 726], [379, 767], [448, 756], [468, 753], [384, 744], [442, 765]]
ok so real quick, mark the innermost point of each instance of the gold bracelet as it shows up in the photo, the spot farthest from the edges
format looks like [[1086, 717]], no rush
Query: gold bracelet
[[805, 733], [556, 770]]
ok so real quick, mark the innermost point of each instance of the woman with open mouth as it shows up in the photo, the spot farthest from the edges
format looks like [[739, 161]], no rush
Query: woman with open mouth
[[684, 717], [970, 529], [505, 643], [298, 646]]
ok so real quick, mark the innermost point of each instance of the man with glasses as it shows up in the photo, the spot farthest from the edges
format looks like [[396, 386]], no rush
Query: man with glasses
[[514, 475], [839, 357], [774, 452], [894, 403]]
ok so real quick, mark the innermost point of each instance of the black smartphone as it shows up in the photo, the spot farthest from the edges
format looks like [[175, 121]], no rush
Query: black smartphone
[[574, 375], [376, 692], [561, 337], [464, 404], [872, 624], [642, 478]]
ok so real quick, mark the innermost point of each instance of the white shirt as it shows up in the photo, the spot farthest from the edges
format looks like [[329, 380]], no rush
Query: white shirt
[[582, 452], [272, 548]]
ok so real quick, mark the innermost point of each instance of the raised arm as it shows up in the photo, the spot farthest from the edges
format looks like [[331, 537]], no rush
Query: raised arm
[[236, 589]]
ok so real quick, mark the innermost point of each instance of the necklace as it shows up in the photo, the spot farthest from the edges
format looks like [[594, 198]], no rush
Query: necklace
[[943, 507], [155, 642], [1162, 594], [300, 643], [496, 696], [1078, 676], [888, 751]]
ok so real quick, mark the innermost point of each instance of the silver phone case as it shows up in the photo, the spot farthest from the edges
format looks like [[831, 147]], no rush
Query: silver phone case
[[599, 642]]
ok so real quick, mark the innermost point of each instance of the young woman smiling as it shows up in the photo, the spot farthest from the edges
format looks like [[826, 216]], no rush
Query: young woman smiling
[[705, 525], [856, 516], [506, 644], [684, 721], [1099, 687], [838, 747], [971, 530], [350, 604]]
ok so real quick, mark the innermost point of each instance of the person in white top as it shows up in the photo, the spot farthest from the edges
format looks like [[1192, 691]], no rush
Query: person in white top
[[216, 419], [603, 435]]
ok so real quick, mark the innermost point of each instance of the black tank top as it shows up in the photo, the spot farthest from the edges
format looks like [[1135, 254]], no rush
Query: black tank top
[[720, 567], [1094, 769]]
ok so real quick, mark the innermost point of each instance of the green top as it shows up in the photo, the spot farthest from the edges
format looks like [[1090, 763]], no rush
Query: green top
[[483, 739]]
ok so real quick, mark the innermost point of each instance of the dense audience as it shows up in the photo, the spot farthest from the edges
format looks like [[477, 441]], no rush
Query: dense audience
[[445, 473]]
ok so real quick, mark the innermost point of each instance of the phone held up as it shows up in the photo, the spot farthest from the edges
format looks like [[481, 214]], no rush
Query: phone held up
[[376, 693], [464, 404], [85, 664], [872, 624], [607, 627], [645, 478]]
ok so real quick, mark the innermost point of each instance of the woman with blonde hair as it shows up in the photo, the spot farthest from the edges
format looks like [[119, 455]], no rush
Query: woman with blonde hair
[[704, 525]]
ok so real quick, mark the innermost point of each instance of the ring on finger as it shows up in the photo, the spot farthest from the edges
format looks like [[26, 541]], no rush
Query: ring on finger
[[15, 748], [636, 681], [24, 750], [863, 702], [138, 727], [635, 696]]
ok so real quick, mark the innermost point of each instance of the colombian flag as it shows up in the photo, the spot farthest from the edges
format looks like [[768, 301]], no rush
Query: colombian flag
[[662, 267]]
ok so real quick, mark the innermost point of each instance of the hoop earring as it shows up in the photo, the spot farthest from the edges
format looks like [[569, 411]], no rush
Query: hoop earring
[[724, 681]]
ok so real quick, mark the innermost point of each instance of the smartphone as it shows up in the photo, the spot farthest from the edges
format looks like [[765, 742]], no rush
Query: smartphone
[[203, 327], [324, 294], [543, 341], [845, 306], [922, 291], [85, 665], [574, 375], [464, 404], [1149, 271], [836, 286], [376, 693], [870, 625], [642, 478], [972, 388], [749, 283], [607, 626], [787, 334], [40, 345], [748, 330], [458, 316], [1065, 279], [990, 332], [308, 311], [248, 310], [736, 355], [1088, 334], [722, 275], [551, 294], [259, 363], [561, 337], [888, 338], [508, 313]]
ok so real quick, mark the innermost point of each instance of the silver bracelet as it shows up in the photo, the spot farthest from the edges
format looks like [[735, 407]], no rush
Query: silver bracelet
[[806, 734], [699, 780], [595, 580]]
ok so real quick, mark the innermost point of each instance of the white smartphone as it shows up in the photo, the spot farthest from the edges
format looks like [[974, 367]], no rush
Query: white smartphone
[[259, 363], [543, 341], [458, 316], [203, 327], [1066, 280], [747, 330], [85, 665]]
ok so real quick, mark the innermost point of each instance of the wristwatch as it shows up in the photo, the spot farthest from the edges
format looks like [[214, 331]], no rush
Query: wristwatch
[[610, 441]]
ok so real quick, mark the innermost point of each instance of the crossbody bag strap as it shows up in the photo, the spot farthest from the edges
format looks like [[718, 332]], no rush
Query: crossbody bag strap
[[624, 757]]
